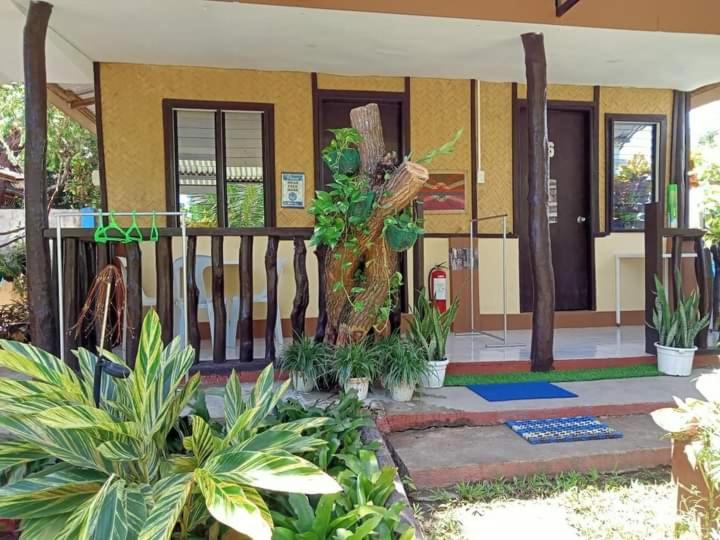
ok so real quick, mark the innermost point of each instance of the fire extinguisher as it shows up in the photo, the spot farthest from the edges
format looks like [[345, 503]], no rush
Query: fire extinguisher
[[437, 286]]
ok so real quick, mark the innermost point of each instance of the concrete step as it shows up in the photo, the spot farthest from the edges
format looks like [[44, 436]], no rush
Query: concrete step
[[442, 457]]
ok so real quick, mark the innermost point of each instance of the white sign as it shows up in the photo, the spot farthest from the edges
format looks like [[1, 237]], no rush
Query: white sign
[[293, 190]]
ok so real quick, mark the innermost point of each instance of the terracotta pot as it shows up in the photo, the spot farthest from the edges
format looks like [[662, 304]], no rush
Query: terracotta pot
[[692, 491]]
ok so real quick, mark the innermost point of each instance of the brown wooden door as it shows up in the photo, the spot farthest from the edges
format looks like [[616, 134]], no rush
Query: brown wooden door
[[335, 113], [571, 226]]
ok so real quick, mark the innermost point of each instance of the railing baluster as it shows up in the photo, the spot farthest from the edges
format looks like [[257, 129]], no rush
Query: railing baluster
[[218, 300], [321, 254], [302, 289], [86, 273], [71, 301], [164, 276], [134, 301], [193, 330], [418, 253], [271, 319], [676, 266], [246, 299], [653, 267]]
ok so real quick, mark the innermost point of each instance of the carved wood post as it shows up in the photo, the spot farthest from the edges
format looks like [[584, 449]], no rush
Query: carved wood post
[[43, 321], [541, 354]]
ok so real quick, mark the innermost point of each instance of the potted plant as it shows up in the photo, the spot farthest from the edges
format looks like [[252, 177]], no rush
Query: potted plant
[[429, 331], [401, 231], [402, 364], [677, 329], [693, 427], [355, 366], [306, 360]]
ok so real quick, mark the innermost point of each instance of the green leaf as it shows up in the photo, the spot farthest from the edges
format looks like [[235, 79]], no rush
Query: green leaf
[[58, 491], [43, 528], [14, 453], [202, 441], [239, 508], [233, 401], [279, 471], [107, 519], [170, 495]]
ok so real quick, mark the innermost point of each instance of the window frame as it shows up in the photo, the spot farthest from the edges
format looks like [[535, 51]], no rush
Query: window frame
[[658, 195], [172, 191]]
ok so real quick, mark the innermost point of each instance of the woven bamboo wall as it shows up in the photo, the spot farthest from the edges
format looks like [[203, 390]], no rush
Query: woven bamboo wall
[[438, 108], [133, 129], [366, 84]]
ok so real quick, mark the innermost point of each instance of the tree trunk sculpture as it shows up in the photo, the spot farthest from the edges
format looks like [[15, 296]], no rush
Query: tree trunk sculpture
[[345, 323], [543, 276]]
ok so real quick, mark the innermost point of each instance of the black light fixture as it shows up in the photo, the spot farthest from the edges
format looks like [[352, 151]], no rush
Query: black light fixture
[[116, 371], [563, 6]]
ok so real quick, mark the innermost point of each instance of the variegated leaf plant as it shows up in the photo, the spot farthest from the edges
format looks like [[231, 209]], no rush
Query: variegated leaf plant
[[115, 477]]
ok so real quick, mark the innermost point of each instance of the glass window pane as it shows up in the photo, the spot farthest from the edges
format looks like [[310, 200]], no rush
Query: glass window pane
[[634, 173], [197, 171], [245, 174]]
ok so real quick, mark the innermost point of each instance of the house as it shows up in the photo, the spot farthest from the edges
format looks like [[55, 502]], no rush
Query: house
[[180, 87]]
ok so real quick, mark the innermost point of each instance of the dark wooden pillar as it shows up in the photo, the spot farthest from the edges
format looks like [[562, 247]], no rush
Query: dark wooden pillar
[[43, 321], [322, 320], [271, 319], [246, 299], [541, 354], [418, 253], [680, 154], [302, 289], [164, 277], [653, 267]]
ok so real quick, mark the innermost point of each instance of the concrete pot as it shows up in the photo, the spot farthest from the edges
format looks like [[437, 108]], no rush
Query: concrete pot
[[402, 392], [301, 383], [675, 361], [360, 385], [436, 374]]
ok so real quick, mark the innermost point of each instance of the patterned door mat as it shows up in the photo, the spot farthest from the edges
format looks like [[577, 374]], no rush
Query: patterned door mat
[[565, 429]]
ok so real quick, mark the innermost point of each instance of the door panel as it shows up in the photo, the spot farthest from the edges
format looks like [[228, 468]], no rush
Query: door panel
[[570, 230]]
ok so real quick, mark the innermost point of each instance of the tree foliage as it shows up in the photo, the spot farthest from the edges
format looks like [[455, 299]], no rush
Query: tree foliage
[[71, 150]]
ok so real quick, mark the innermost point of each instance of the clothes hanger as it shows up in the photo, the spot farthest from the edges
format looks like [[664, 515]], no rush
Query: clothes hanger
[[113, 231], [154, 232], [133, 232]]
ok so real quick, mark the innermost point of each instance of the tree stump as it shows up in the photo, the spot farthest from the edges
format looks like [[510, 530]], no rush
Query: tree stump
[[345, 323]]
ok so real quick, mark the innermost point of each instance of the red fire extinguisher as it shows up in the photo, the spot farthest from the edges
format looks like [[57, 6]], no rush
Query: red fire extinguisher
[[437, 286]]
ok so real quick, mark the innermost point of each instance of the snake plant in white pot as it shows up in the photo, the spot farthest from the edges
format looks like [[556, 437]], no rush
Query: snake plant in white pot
[[429, 330], [677, 330]]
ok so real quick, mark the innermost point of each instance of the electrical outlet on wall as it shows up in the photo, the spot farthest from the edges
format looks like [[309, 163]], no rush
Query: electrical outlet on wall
[[481, 177]]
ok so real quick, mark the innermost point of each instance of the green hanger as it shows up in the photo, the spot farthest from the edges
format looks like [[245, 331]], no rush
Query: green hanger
[[133, 232], [113, 227], [101, 236], [154, 232]]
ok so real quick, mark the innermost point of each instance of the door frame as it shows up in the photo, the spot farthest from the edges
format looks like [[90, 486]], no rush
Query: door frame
[[592, 178], [402, 98]]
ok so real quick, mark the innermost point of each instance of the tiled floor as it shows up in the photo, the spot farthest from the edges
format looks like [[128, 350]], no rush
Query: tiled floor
[[570, 344]]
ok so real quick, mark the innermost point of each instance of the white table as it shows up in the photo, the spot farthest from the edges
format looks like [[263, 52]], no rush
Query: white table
[[618, 260]]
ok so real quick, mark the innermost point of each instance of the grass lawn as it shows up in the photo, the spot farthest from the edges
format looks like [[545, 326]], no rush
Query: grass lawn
[[595, 374], [570, 506]]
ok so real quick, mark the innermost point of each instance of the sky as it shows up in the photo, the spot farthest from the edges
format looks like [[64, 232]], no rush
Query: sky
[[704, 119]]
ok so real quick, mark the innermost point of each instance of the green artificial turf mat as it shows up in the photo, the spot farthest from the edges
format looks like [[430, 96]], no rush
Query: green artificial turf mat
[[595, 374]]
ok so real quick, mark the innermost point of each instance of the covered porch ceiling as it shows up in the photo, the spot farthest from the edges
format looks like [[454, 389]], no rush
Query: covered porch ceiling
[[271, 37]]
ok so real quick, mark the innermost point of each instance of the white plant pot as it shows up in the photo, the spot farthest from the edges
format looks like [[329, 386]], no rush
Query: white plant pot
[[675, 361], [402, 392], [301, 383], [360, 385], [436, 374]]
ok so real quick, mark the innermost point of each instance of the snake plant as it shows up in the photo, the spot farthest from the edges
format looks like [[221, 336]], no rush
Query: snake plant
[[429, 328], [678, 327], [114, 474]]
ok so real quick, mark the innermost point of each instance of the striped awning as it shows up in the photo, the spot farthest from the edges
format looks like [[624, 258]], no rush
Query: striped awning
[[198, 172]]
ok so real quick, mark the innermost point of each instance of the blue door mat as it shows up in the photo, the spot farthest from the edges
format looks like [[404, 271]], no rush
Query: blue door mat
[[566, 429], [520, 390]]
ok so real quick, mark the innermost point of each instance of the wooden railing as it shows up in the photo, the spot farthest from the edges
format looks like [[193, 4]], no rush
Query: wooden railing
[[83, 258], [656, 237]]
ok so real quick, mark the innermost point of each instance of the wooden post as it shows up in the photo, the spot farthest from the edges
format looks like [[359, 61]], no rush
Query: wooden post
[[541, 354], [302, 289], [164, 274], [246, 299], [134, 305], [193, 329], [322, 319], [419, 253], [653, 267], [271, 276], [43, 321], [218, 298]]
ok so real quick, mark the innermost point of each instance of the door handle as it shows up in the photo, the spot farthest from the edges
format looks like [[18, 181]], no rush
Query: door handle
[[581, 219]]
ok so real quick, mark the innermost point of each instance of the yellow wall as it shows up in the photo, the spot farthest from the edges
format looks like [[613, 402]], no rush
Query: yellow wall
[[133, 128], [134, 158]]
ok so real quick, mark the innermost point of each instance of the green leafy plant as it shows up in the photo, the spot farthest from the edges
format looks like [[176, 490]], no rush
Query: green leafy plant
[[429, 328], [355, 360], [307, 356], [401, 231], [117, 474], [401, 361], [680, 326]]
